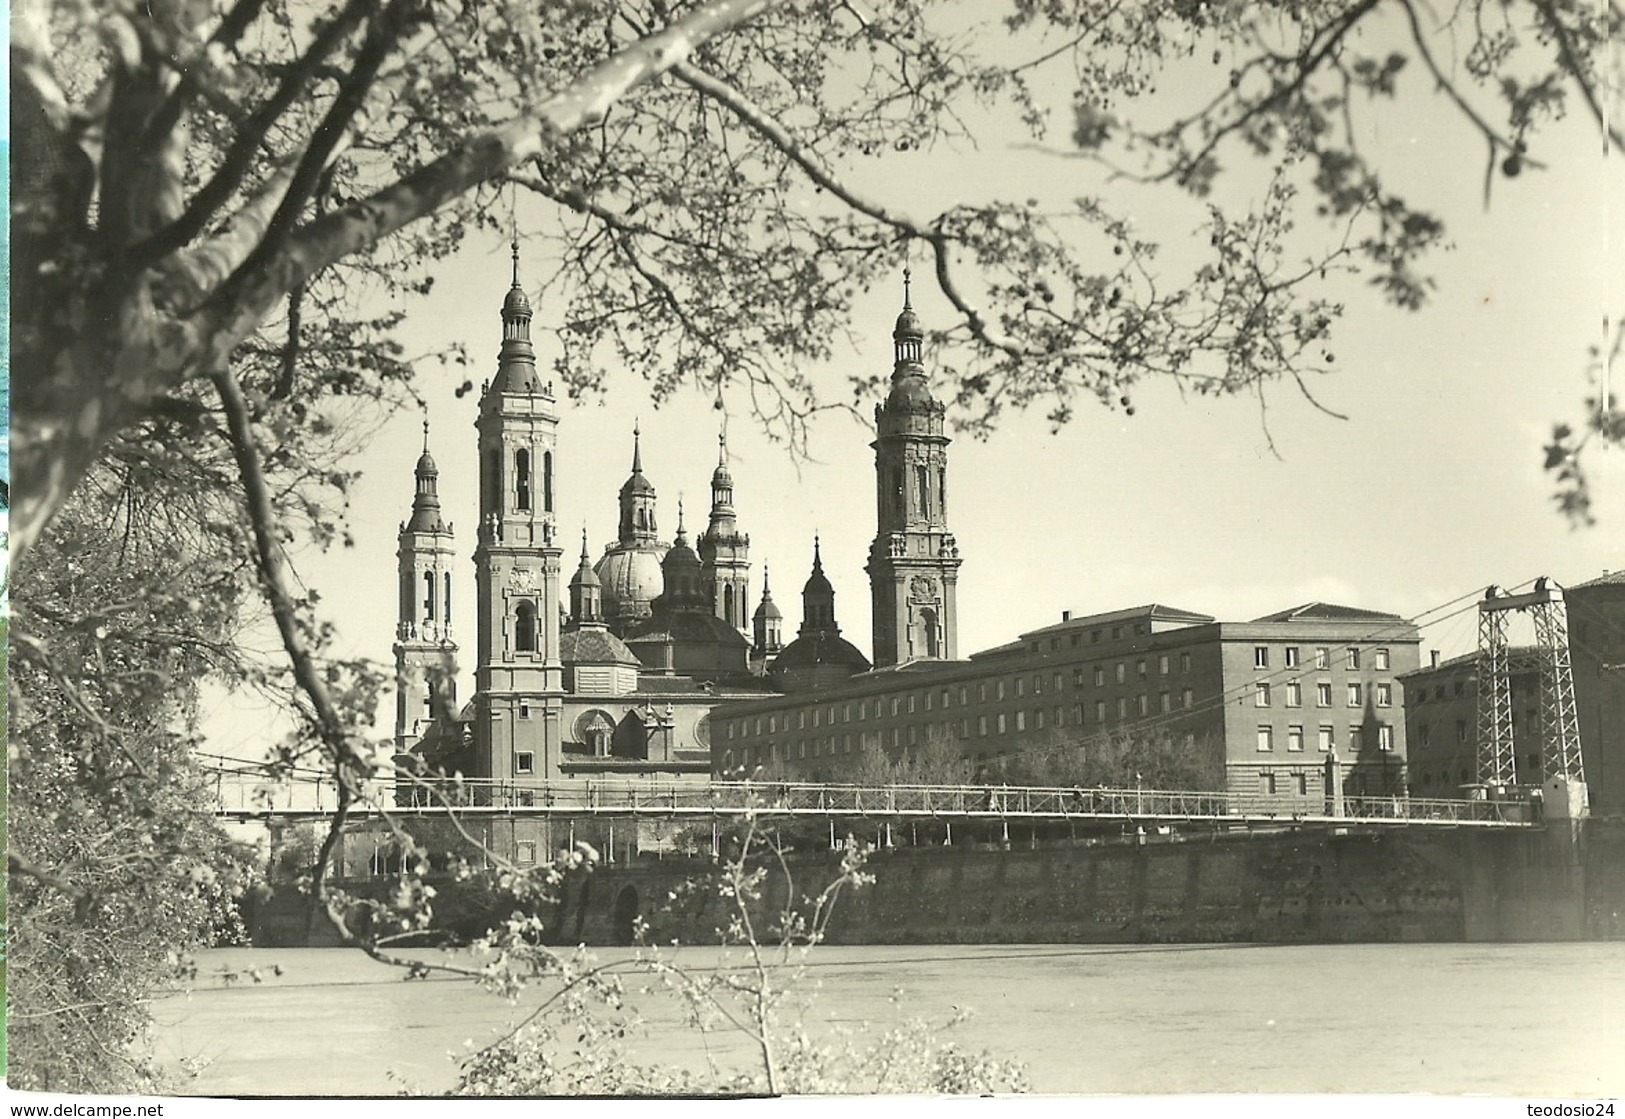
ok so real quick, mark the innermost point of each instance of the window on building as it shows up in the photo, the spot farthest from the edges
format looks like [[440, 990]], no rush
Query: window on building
[[1162, 664], [1059, 681], [1187, 699], [1356, 695], [1460, 687], [930, 701], [524, 710], [1356, 742], [964, 728], [521, 479], [1141, 667], [1122, 707], [773, 724], [1021, 720], [1145, 704], [1379, 659], [1122, 672], [1100, 676], [846, 743], [1292, 656], [962, 693], [1117, 631], [1323, 694], [801, 719], [1038, 683], [981, 693], [1425, 733], [1038, 718], [1075, 638], [1261, 656], [1100, 711], [1001, 722], [1266, 737], [1266, 783], [998, 689], [1077, 713], [1060, 716], [1385, 737], [1294, 694], [524, 639], [1323, 658], [981, 725], [1300, 783], [1385, 695], [1184, 662], [1021, 686], [1261, 695], [911, 705], [524, 762], [1165, 703], [894, 705], [1324, 741], [524, 852], [1294, 738], [1461, 730], [1352, 659]]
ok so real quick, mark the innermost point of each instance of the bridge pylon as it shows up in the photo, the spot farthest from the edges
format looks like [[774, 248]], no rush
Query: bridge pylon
[[1559, 726]]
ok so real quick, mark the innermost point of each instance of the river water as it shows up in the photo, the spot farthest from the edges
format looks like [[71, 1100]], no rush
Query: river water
[[1496, 1019]]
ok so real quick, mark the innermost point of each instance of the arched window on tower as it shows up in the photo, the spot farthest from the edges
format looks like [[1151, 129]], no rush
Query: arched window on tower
[[408, 590], [428, 596], [525, 628], [521, 479], [728, 604], [922, 479], [492, 479], [942, 489], [428, 698], [928, 633], [547, 481], [445, 603]]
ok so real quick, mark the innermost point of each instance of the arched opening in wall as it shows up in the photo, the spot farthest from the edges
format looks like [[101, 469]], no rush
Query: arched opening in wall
[[428, 596], [596, 730], [927, 642], [728, 603], [524, 640], [521, 479], [623, 921], [445, 603], [922, 482], [491, 477], [547, 481]]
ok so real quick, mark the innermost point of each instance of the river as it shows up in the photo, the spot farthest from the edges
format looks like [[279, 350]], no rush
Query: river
[[1498, 1019]]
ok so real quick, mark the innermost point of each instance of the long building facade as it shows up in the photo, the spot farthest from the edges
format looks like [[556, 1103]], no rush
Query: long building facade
[[1256, 707]]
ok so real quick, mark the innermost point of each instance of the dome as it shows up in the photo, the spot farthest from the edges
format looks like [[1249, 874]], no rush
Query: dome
[[515, 303], [909, 392], [908, 326], [637, 483], [720, 478], [631, 579], [594, 645], [816, 661], [426, 464], [767, 608]]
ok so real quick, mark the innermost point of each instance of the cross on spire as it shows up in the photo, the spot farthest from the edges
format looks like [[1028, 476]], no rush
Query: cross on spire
[[908, 275]]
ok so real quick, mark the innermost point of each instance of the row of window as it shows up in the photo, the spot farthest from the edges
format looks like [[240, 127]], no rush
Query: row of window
[[1382, 694], [1323, 658], [1325, 738], [830, 714], [1095, 637]]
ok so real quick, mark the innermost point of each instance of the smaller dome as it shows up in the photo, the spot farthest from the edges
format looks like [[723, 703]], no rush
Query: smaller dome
[[637, 483], [720, 478], [908, 392], [515, 303], [426, 464], [767, 608], [680, 554], [908, 326]]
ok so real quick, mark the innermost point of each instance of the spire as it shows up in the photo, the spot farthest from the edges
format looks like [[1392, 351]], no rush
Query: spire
[[679, 516], [586, 558], [426, 493], [818, 598], [818, 559], [516, 363], [637, 449], [908, 335], [637, 501]]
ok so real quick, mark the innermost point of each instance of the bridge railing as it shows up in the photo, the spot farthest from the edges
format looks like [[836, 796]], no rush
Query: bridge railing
[[651, 797]]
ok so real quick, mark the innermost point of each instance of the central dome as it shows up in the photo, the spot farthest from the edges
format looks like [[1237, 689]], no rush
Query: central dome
[[631, 578]]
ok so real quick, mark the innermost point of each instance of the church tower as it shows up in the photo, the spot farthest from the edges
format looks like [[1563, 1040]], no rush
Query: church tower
[[518, 674], [725, 551], [629, 570], [425, 654], [768, 623], [914, 562]]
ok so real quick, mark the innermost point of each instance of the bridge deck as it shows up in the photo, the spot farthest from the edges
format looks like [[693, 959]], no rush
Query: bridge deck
[[583, 799]]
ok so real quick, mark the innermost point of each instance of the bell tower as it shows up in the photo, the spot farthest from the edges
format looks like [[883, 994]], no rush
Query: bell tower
[[518, 674], [725, 551], [914, 561], [425, 654]]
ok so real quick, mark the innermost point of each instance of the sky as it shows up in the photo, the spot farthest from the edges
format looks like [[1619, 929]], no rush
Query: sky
[[1430, 489]]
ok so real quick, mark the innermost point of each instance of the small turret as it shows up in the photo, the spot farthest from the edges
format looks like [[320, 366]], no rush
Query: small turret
[[767, 622]]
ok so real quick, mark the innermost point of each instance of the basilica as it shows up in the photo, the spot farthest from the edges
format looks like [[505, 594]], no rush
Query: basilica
[[617, 671]]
